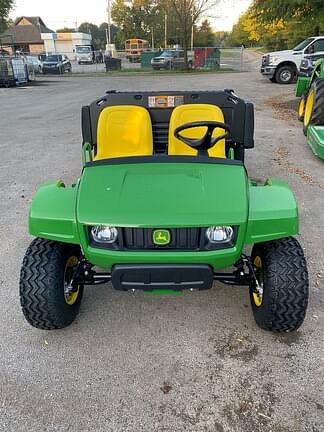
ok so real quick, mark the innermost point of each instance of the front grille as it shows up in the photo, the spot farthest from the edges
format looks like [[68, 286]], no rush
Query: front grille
[[265, 60], [181, 239]]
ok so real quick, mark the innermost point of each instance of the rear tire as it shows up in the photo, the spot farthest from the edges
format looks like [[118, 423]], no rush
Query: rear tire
[[285, 75], [42, 281], [314, 109], [282, 272]]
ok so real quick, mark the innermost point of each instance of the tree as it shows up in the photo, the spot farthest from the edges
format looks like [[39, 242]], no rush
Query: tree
[[278, 24], [188, 13], [139, 19], [305, 16], [65, 30], [5, 8], [204, 35], [98, 34], [270, 10]]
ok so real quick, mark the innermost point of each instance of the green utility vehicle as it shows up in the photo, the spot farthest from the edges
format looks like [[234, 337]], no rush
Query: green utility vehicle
[[164, 204], [310, 89]]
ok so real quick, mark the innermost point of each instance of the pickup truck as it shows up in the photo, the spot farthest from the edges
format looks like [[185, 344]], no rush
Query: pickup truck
[[282, 66], [172, 59]]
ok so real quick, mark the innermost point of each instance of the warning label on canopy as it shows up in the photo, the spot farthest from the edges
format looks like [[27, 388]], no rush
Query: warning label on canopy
[[165, 101]]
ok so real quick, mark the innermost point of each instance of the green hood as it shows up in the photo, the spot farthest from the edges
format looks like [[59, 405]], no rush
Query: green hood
[[163, 195]]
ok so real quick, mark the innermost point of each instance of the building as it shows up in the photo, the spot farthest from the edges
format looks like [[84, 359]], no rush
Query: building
[[31, 35], [65, 43], [25, 35]]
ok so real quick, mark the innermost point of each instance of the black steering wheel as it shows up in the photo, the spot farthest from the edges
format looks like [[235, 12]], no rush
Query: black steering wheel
[[207, 141]]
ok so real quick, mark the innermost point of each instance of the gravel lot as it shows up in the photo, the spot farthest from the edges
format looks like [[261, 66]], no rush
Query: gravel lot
[[131, 362]]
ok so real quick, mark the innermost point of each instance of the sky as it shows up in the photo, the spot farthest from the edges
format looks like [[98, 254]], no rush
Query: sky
[[66, 13]]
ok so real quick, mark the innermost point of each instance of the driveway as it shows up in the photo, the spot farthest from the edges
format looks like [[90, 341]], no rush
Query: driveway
[[131, 362]]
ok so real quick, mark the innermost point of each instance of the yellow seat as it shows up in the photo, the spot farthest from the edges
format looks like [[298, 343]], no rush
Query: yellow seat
[[124, 130], [191, 113]]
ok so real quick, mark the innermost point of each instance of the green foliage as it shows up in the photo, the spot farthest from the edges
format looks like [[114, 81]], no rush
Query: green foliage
[[65, 30], [139, 19], [204, 35], [5, 7], [142, 18], [278, 24], [98, 34], [269, 10]]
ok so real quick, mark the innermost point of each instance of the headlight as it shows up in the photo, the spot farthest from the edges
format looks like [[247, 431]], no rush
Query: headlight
[[305, 64], [219, 234], [104, 234]]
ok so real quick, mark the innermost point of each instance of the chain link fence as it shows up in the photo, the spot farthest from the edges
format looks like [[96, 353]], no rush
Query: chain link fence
[[199, 59]]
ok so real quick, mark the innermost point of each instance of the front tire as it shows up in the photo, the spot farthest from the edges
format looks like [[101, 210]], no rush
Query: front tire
[[301, 107], [281, 302], [285, 75], [45, 273]]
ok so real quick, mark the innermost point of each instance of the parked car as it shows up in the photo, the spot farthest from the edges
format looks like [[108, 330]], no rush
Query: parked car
[[171, 59], [57, 63], [282, 66]]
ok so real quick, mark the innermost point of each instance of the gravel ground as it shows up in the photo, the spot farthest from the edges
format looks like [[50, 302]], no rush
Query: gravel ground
[[132, 362]]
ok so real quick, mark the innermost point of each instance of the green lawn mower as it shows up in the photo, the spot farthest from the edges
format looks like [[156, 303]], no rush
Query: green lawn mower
[[310, 89], [164, 204]]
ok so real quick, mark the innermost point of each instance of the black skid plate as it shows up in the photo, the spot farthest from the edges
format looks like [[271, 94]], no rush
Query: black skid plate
[[171, 277]]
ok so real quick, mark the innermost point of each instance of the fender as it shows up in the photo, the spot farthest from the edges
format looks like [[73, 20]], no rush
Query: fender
[[52, 213], [273, 212]]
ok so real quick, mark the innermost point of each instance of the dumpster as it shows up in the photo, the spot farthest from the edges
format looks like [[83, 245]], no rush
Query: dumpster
[[147, 56], [112, 63], [207, 58]]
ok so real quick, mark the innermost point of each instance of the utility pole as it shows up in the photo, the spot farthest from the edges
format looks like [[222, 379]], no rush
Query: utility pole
[[152, 39], [165, 30], [192, 32], [108, 33]]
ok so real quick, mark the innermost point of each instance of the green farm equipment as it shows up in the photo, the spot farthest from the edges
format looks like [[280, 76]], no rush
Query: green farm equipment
[[164, 204], [310, 89]]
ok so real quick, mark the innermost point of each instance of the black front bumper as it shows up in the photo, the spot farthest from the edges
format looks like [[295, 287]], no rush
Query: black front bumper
[[268, 71], [159, 276], [54, 70]]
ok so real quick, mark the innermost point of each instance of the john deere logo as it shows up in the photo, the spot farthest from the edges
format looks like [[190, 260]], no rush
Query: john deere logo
[[161, 237]]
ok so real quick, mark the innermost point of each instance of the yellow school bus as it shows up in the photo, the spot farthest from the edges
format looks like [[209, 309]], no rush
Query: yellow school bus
[[134, 48]]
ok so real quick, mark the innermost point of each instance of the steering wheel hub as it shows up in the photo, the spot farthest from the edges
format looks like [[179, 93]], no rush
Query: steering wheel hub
[[207, 141]]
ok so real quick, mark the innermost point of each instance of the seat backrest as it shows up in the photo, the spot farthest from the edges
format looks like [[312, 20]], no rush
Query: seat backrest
[[124, 130], [191, 113]]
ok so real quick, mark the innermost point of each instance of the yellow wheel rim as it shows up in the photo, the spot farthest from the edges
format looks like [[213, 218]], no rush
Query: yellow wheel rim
[[258, 296], [70, 297], [301, 108], [309, 108]]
